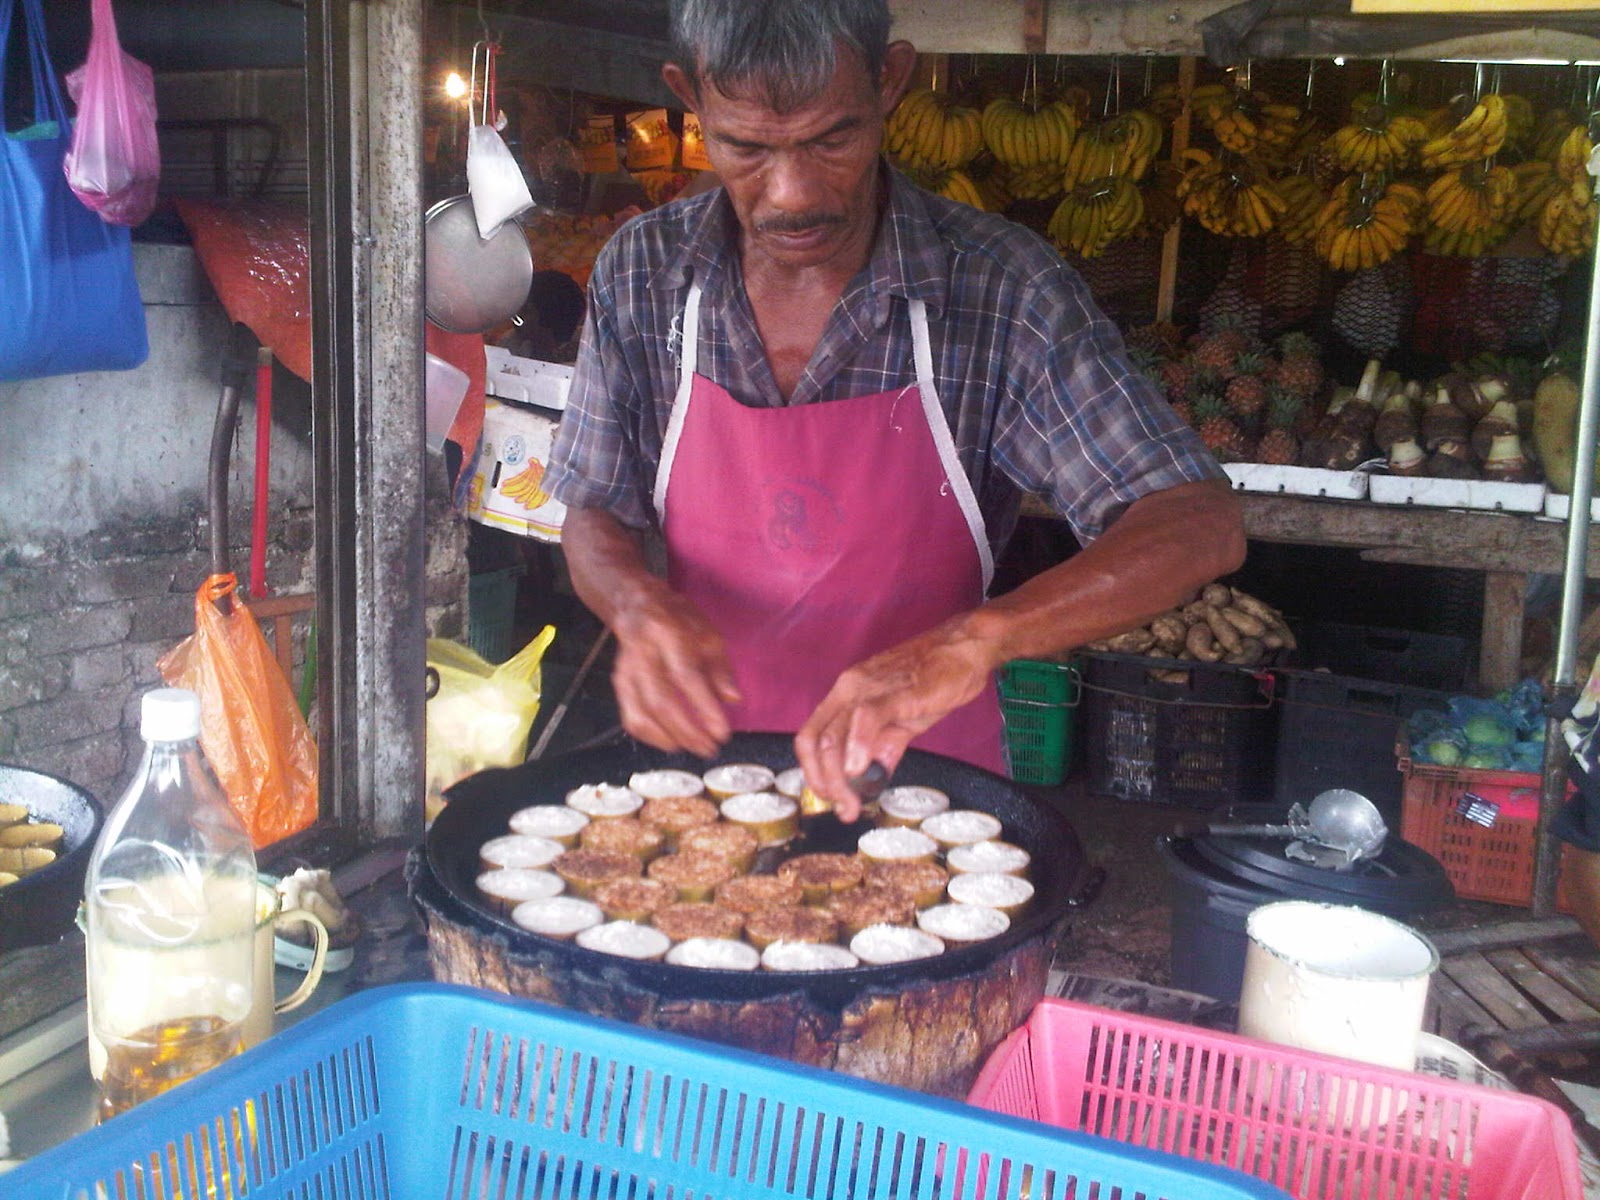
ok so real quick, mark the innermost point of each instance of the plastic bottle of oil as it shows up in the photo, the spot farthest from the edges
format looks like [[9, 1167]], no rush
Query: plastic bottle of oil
[[170, 904]]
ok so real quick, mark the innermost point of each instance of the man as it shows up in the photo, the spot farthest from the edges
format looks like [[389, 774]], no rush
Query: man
[[827, 390]]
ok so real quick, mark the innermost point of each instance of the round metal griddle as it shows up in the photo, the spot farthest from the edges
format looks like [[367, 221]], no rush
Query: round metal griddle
[[1401, 876], [480, 806], [472, 284], [39, 908]]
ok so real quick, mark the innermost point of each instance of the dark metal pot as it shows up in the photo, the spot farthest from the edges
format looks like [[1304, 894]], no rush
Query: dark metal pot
[[39, 908]]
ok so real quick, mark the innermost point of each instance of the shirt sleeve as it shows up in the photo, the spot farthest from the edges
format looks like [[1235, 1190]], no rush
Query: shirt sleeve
[[1078, 424], [594, 461]]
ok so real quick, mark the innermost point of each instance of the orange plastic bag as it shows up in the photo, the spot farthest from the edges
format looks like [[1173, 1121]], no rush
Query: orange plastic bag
[[250, 727]]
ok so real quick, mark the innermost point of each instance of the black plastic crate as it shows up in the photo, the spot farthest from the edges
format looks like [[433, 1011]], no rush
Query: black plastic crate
[[1417, 660], [1335, 731], [1203, 743]]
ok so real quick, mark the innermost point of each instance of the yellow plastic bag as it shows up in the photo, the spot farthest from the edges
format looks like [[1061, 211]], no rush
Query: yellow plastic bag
[[481, 714], [250, 726]]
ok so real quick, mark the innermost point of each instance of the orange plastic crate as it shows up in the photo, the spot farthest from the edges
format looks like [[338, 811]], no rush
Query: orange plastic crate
[[1493, 864]]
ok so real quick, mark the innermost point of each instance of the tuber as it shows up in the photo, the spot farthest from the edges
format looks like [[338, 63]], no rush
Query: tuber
[[1201, 643], [1246, 623], [1222, 630]]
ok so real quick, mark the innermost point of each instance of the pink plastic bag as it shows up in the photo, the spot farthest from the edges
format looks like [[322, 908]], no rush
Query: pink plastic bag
[[114, 163]]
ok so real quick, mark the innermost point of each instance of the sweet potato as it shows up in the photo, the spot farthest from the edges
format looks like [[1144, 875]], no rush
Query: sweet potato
[[1202, 643], [1222, 630], [1246, 623]]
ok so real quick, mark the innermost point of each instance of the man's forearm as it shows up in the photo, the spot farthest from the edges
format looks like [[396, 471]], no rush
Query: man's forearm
[[1164, 547], [606, 563]]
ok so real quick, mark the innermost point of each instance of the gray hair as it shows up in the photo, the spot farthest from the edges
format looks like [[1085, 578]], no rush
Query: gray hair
[[781, 51]]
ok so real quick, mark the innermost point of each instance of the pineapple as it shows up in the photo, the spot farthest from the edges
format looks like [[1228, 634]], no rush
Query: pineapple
[[1218, 430], [1278, 445], [1246, 393], [1161, 338], [1215, 352], [1147, 363], [1301, 369], [1175, 376]]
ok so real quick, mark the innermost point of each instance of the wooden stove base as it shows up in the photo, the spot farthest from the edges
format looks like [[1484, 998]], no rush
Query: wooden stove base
[[930, 1037]]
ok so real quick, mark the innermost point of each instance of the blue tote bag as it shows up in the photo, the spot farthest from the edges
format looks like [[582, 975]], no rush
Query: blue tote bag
[[68, 298]]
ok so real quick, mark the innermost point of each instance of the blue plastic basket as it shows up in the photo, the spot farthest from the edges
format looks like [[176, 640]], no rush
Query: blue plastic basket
[[427, 1090]]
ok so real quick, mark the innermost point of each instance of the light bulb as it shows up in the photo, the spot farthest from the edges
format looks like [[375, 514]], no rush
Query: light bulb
[[454, 86]]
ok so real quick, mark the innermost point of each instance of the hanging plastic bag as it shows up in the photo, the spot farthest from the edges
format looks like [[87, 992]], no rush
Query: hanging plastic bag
[[480, 714], [250, 727], [494, 181], [71, 300], [114, 161]]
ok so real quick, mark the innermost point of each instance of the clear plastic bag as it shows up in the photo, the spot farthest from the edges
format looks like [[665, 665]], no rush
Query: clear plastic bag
[[113, 163], [481, 714], [495, 182]]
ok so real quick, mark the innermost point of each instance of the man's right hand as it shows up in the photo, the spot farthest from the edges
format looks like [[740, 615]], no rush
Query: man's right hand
[[672, 676]]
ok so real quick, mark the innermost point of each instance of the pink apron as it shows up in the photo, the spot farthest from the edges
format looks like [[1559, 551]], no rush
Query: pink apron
[[817, 536]]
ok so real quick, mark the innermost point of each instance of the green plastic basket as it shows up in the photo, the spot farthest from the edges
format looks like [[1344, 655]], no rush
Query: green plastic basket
[[491, 611], [1037, 699]]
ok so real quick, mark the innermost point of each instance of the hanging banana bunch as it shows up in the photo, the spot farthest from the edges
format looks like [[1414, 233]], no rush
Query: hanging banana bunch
[[1229, 195], [1377, 139], [929, 129], [1366, 222], [1550, 130], [1537, 182], [1303, 199], [1571, 159], [1470, 209], [1042, 182], [1566, 226], [952, 183], [1125, 144], [1245, 121], [1162, 208], [1519, 120], [1096, 213], [1023, 133], [1476, 136]]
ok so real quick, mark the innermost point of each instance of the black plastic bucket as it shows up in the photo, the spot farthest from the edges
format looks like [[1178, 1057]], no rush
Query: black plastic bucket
[[1208, 917]]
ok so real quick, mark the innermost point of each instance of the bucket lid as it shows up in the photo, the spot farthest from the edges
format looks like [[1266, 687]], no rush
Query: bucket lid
[[1402, 878]]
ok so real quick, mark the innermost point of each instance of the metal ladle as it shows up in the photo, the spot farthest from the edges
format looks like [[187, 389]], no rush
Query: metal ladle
[[1338, 818]]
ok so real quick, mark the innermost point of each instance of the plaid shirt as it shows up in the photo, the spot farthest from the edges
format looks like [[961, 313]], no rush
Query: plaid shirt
[[1033, 379]]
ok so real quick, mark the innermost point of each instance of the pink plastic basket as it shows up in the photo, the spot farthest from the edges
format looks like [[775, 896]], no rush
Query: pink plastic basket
[[1321, 1128]]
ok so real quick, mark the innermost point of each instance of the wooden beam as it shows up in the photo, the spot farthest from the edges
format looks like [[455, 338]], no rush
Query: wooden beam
[[1167, 283], [1500, 646], [1509, 933], [1523, 971]]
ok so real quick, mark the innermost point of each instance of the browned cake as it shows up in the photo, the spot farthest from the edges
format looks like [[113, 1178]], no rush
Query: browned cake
[[623, 835], [789, 925], [924, 882], [683, 921], [696, 876], [752, 893], [675, 815], [821, 875], [585, 870], [634, 899], [734, 843], [864, 906]]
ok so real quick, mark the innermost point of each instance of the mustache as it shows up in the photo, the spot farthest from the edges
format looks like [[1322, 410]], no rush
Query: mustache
[[799, 222]]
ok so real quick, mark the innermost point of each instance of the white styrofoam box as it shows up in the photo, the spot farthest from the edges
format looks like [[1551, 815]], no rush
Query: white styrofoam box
[[1297, 481], [529, 380], [1457, 493], [505, 490], [1558, 505]]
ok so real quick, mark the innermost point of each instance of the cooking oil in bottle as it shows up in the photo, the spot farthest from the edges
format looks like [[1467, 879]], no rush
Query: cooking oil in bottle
[[170, 903]]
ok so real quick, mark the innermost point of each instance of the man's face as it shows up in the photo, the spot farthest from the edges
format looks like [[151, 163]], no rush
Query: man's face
[[803, 183]]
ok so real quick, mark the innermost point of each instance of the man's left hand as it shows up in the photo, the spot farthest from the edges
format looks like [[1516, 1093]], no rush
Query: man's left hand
[[878, 706]]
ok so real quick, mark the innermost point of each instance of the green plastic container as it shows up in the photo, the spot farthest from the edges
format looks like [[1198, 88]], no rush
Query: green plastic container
[[491, 610], [1038, 700]]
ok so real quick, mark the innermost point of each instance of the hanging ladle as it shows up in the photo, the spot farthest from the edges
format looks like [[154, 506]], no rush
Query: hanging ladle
[[1339, 819]]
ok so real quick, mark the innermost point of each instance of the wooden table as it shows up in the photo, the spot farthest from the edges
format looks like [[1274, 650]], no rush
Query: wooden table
[[1506, 547]]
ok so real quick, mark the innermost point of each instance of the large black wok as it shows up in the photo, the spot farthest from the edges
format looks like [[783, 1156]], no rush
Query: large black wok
[[479, 807]]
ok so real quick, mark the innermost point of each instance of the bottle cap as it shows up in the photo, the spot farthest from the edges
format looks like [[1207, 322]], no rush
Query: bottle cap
[[169, 715]]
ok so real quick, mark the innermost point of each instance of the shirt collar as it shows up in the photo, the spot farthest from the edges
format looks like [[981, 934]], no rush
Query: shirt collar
[[907, 259]]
